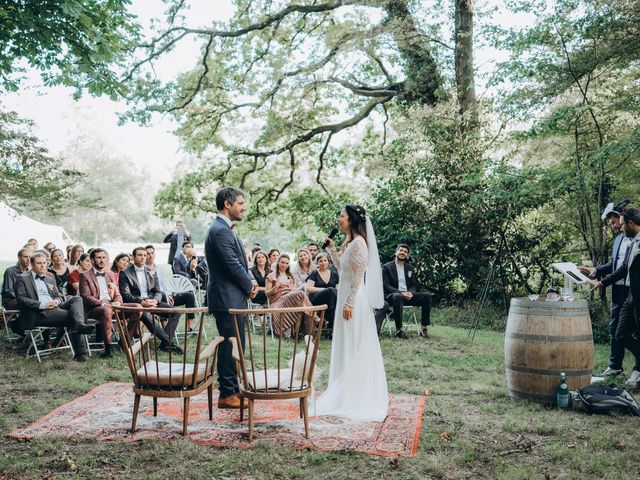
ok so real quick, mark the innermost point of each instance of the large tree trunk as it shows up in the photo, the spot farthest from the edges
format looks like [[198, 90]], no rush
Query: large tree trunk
[[465, 80], [422, 76]]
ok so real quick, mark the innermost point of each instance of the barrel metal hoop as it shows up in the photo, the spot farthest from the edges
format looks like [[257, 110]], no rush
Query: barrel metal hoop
[[545, 371], [547, 312], [550, 338]]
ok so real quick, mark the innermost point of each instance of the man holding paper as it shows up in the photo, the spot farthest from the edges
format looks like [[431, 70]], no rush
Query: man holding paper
[[619, 290]]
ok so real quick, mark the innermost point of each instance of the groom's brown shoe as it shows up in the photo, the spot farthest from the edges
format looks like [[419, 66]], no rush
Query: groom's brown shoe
[[231, 402]]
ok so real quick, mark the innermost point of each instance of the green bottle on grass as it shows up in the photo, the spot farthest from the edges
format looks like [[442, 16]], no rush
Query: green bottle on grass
[[562, 393]]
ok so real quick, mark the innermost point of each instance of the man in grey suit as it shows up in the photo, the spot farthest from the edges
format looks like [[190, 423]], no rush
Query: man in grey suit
[[42, 305], [230, 285]]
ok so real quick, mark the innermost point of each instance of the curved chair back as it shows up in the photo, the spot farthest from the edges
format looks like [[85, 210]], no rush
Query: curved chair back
[[179, 284], [157, 373], [280, 368]]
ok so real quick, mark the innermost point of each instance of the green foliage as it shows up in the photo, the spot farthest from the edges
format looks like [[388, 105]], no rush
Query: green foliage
[[457, 208], [29, 176], [70, 42]]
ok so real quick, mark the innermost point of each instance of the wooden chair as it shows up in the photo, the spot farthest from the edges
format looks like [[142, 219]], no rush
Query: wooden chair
[[159, 374], [276, 369]]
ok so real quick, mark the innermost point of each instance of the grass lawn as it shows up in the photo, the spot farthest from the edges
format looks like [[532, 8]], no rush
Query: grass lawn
[[471, 429]]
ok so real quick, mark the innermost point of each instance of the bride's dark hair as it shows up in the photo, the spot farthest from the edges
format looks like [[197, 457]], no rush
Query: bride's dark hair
[[357, 221]]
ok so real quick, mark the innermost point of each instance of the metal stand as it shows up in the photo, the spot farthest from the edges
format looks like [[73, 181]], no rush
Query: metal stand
[[485, 291]]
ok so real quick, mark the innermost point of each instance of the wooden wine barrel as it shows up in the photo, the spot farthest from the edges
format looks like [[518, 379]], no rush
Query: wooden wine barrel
[[542, 340]]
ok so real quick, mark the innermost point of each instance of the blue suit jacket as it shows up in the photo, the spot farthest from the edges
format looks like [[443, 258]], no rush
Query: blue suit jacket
[[609, 268], [180, 265], [229, 283]]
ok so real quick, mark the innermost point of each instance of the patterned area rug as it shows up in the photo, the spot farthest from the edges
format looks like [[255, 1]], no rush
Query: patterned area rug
[[105, 412]]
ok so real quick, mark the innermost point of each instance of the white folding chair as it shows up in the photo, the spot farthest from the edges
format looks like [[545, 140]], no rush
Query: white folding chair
[[390, 323], [9, 316], [255, 321], [181, 284], [35, 335]]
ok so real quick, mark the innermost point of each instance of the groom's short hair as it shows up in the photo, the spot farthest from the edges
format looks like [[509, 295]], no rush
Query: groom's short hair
[[227, 194]]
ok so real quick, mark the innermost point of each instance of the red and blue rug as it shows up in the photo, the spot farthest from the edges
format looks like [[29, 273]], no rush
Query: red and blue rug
[[105, 413]]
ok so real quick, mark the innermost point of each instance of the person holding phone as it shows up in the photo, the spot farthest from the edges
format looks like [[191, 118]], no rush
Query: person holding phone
[[176, 237]]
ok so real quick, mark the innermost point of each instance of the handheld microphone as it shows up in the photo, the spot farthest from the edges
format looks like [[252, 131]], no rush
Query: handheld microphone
[[332, 234]]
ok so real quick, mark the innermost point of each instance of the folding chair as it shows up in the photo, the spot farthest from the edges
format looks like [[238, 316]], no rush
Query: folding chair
[[256, 320], [35, 335], [9, 316], [181, 284], [390, 323]]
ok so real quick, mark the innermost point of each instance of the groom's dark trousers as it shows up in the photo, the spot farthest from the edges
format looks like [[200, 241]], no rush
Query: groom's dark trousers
[[227, 375]]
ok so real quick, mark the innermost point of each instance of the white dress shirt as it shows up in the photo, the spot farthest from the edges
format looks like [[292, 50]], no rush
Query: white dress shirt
[[102, 284], [402, 282], [142, 281], [42, 290]]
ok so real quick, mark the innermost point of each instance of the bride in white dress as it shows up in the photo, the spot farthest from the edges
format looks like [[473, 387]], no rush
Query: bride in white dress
[[357, 382]]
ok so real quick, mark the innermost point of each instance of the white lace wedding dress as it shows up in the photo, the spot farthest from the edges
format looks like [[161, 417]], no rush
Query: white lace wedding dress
[[357, 382]]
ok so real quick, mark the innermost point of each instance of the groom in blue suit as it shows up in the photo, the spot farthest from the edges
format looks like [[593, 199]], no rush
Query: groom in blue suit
[[230, 285]]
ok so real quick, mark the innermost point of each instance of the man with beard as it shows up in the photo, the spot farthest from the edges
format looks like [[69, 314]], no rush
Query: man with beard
[[400, 289], [10, 276], [627, 330], [619, 290]]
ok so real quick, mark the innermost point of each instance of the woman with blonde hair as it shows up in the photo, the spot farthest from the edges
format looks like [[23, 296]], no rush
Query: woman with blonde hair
[[303, 267]]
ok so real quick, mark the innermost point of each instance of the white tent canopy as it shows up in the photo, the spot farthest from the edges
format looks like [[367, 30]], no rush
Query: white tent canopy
[[16, 229]]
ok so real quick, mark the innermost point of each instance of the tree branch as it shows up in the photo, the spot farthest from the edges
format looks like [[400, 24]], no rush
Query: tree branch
[[321, 160], [366, 91]]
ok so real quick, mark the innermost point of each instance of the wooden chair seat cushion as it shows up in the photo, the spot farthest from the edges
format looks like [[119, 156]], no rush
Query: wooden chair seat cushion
[[149, 375], [272, 380]]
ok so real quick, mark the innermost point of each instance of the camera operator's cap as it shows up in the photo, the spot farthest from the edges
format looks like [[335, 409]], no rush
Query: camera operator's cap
[[610, 209]]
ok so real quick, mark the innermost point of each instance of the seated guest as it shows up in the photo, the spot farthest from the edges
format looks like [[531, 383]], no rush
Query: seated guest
[[282, 291], [74, 255], [313, 250], [400, 288], [73, 280], [181, 260], [33, 243], [260, 270], [322, 287], [42, 305], [176, 238], [59, 269], [49, 247], [138, 285], [273, 255], [11, 274], [254, 250], [177, 299], [99, 293], [302, 268], [120, 263]]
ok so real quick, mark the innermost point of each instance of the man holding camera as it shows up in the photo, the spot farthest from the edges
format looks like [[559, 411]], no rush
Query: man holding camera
[[176, 238]]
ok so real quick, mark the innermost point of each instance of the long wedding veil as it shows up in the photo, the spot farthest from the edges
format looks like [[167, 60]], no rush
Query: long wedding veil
[[373, 275]]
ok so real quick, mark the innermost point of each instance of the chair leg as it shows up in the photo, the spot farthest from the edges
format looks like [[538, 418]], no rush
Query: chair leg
[[136, 405], [155, 406], [301, 407], [210, 399], [185, 419], [250, 419], [305, 411], [241, 408]]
